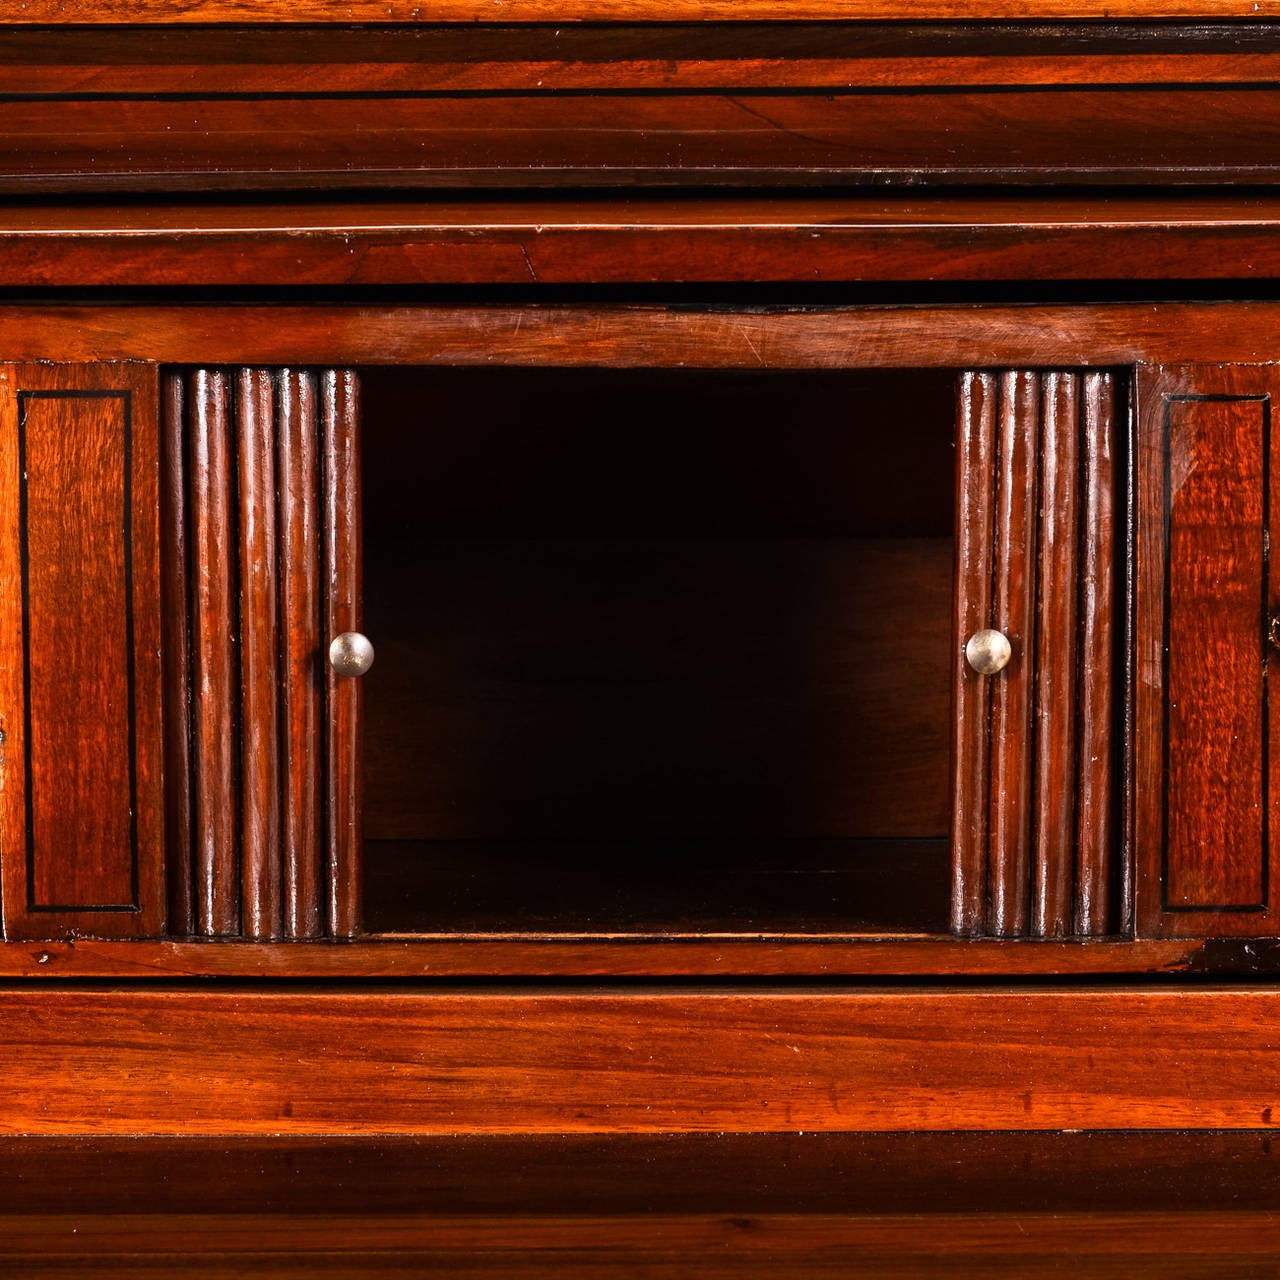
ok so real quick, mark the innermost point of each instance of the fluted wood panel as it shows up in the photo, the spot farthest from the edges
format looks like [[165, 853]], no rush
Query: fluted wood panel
[[261, 482], [1033, 830]]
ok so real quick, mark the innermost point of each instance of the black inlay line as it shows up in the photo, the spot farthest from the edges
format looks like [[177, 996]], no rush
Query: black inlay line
[[24, 399], [1264, 399], [694, 91]]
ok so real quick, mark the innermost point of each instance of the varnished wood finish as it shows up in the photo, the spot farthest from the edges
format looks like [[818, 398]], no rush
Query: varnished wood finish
[[1053, 716], [213, 667], [301, 675], [977, 395], [652, 239], [1049, 742], [261, 875], [840, 136], [710, 1060], [174, 12], [175, 599], [1206, 790], [81, 800], [590, 335], [537, 956], [738, 56], [340, 503], [1102, 899], [253, 486]]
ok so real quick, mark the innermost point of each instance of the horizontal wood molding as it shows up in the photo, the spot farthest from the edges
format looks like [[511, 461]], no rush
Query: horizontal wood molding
[[806, 240], [120, 12], [516, 957], [409, 1062], [595, 336]]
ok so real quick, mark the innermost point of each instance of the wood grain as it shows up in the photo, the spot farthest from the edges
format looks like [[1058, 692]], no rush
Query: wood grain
[[340, 467], [1054, 715], [728, 56], [298, 447], [1135, 134], [647, 238], [977, 395], [51, 12], [82, 680], [1102, 902], [261, 906], [1013, 613], [1206, 849], [86, 1062], [175, 582], [589, 335], [214, 669]]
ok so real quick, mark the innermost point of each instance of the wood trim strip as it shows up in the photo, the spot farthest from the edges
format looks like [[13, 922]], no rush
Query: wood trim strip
[[385, 12], [1054, 801], [340, 419], [977, 395], [302, 679], [214, 674], [1013, 612], [414, 1062], [507, 956], [175, 600], [260, 875], [621, 336], [1096, 839]]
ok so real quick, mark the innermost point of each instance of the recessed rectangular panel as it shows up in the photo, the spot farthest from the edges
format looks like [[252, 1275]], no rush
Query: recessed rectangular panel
[[80, 836], [74, 454], [1216, 696]]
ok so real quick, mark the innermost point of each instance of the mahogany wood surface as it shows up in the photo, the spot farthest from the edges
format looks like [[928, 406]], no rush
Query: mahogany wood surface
[[261, 874], [301, 670], [736, 955], [294, 59], [643, 239], [1115, 135], [608, 335], [343, 604], [1206, 793], [114, 12], [319, 1061], [213, 671], [81, 680]]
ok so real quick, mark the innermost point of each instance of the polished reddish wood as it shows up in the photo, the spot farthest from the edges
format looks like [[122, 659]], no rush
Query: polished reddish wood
[[175, 601], [1128, 135], [728, 56], [591, 335], [533, 955], [301, 673], [1053, 716], [81, 681], [214, 671], [1103, 901], [1207, 797], [710, 1060], [343, 568], [261, 876], [977, 395], [650, 238], [52, 12], [1013, 614]]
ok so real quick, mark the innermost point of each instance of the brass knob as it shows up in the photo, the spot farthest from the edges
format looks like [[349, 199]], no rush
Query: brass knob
[[988, 651], [351, 654]]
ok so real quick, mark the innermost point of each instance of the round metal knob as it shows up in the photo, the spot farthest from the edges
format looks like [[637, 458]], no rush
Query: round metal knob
[[351, 654], [988, 651]]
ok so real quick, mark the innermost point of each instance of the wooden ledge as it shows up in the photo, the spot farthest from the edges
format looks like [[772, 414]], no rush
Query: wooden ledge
[[420, 1062], [704, 240]]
